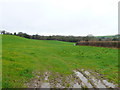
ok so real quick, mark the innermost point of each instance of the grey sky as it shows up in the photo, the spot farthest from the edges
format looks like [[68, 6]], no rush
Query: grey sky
[[60, 17]]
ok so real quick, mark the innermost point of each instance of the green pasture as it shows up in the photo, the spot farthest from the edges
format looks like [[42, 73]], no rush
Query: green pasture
[[21, 57]]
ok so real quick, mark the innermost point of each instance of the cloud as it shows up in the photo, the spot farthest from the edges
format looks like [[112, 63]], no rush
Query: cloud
[[66, 17]]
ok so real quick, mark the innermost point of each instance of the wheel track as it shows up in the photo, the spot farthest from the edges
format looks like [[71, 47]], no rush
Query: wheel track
[[80, 79]]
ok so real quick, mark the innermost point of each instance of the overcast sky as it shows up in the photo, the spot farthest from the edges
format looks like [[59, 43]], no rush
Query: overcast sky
[[60, 17]]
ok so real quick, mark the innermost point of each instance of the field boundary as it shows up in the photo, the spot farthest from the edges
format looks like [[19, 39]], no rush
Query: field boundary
[[108, 44]]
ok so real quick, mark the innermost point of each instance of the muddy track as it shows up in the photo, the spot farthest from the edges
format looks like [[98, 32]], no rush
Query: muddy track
[[79, 79]]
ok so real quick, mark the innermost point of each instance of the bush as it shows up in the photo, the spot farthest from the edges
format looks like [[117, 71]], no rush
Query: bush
[[114, 44]]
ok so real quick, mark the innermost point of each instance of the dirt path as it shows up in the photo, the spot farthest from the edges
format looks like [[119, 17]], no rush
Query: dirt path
[[80, 79]]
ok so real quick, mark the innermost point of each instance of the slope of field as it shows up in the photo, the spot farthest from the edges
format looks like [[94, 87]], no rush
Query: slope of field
[[0, 61], [21, 57]]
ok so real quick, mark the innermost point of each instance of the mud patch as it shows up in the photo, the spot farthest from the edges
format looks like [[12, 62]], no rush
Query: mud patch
[[79, 79], [45, 83], [83, 79]]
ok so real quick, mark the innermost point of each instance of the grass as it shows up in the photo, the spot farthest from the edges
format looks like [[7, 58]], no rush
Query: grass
[[0, 62], [21, 56]]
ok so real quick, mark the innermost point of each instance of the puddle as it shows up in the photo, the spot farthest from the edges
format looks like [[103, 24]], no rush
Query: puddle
[[97, 83], [45, 85], [46, 76], [108, 84], [83, 79], [77, 85]]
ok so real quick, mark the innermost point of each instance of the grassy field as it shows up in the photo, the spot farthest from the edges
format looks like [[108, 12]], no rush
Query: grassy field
[[22, 56], [0, 62]]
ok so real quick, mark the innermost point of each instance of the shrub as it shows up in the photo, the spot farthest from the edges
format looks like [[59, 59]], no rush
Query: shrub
[[114, 44]]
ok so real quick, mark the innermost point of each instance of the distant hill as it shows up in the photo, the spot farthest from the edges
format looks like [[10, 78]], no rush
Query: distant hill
[[109, 36], [89, 37]]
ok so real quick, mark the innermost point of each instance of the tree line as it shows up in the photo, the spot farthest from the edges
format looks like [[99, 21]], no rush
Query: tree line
[[63, 38]]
